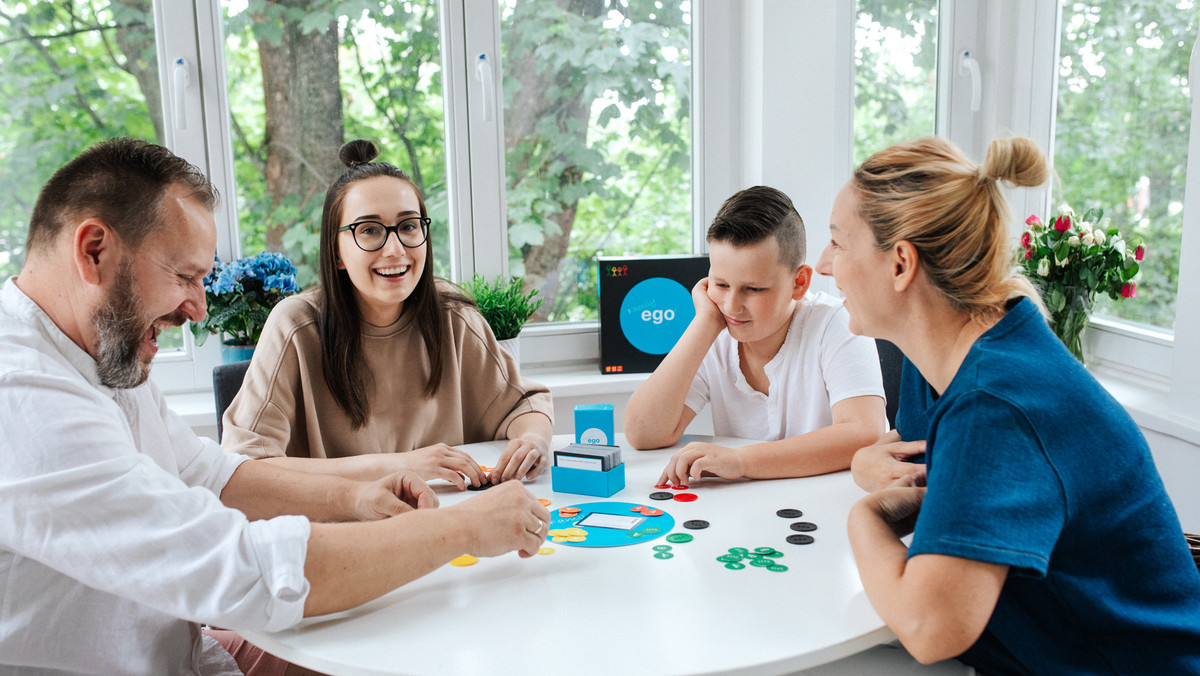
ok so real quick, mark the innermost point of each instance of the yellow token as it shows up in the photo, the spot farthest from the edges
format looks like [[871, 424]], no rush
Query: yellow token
[[575, 531], [558, 538], [555, 532], [546, 550], [576, 538], [465, 560]]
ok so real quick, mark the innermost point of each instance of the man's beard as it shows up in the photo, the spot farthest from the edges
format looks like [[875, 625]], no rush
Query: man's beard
[[120, 332]]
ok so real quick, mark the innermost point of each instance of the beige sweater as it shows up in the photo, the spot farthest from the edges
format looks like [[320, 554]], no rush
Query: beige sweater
[[285, 406]]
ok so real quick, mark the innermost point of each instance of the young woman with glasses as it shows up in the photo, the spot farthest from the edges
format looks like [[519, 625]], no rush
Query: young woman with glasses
[[383, 367]]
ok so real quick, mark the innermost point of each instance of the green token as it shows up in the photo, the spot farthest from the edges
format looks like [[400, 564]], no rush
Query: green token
[[679, 537], [762, 563], [662, 548], [729, 558], [734, 565], [634, 534], [652, 530], [764, 550], [663, 555], [776, 568], [739, 550], [775, 554]]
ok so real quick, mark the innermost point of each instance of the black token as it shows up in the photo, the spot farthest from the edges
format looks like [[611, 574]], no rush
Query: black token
[[480, 487], [661, 495], [804, 526], [790, 513], [800, 539], [695, 524]]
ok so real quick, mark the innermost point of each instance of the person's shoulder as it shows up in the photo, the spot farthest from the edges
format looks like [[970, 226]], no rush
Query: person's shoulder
[[821, 314], [298, 310]]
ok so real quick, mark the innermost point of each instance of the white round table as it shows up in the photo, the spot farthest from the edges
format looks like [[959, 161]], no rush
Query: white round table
[[620, 610]]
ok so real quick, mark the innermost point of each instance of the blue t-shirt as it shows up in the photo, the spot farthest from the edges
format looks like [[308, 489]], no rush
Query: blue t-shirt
[[1033, 465]]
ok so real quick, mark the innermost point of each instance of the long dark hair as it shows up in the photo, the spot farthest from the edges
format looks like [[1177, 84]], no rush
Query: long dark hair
[[340, 322]]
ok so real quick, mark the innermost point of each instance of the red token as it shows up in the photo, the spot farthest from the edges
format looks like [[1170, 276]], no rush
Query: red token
[[681, 487], [661, 486], [685, 497], [651, 512], [639, 508]]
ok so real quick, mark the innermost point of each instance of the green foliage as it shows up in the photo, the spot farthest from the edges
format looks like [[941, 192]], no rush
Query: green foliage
[[504, 304], [1123, 120]]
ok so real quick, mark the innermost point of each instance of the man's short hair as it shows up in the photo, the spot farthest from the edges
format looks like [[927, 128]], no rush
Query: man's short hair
[[121, 182], [753, 214]]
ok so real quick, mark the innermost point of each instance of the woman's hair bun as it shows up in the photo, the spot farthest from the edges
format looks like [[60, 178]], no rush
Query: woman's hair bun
[[1017, 160], [359, 151]]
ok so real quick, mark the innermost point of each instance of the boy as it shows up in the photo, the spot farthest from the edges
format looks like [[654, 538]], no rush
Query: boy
[[777, 363]]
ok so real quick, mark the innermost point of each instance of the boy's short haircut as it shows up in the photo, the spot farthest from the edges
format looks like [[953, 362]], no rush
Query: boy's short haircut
[[753, 214]]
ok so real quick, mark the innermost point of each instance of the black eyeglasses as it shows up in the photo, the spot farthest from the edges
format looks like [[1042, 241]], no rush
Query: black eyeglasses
[[372, 235]]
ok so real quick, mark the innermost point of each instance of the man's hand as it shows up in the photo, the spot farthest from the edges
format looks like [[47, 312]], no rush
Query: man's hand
[[504, 518], [875, 467], [393, 494], [899, 504], [699, 459]]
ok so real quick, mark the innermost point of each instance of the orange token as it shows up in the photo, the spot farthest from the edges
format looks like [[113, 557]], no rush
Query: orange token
[[652, 512], [568, 512], [639, 508], [485, 469], [544, 501]]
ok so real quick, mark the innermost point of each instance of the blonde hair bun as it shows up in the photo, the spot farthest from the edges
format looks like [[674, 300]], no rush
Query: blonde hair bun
[[1017, 160]]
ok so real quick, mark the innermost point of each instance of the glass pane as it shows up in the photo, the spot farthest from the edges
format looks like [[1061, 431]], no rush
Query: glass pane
[[597, 125], [1121, 134], [303, 81], [74, 73], [895, 73]]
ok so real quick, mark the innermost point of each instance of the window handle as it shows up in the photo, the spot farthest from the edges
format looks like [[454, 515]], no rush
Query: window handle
[[181, 85], [483, 73], [967, 64]]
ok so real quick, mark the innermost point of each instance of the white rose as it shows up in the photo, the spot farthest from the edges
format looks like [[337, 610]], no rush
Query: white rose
[[1044, 267], [1119, 245], [1088, 239], [1099, 235], [1073, 240], [1062, 262]]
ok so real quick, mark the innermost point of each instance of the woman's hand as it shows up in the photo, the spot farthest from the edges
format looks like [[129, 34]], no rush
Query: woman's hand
[[899, 504], [875, 467], [522, 459], [440, 461]]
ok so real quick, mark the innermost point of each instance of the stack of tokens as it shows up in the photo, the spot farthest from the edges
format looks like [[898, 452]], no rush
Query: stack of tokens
[[761, 557], [567, 535]]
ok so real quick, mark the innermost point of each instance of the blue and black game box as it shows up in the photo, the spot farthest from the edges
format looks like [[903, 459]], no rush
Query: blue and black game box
[[645, 306]]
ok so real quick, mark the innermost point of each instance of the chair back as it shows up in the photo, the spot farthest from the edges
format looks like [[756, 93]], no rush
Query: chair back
[[227, 380], [891, 362]]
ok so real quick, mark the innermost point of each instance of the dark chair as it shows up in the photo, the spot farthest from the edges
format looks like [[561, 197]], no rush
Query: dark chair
[[227, 380], [891, 362]]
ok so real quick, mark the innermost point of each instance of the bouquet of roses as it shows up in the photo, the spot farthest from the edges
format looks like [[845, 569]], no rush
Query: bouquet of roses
[[240, 295], [1070, 261]]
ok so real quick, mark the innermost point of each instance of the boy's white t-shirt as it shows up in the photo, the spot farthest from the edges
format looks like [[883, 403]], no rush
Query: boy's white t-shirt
[[819, 364]]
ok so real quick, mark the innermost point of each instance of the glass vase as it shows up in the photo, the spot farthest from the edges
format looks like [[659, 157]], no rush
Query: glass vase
[[1069, 322]]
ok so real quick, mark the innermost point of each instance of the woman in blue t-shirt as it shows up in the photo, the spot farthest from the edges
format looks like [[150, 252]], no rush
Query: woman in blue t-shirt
[[1043, 541]]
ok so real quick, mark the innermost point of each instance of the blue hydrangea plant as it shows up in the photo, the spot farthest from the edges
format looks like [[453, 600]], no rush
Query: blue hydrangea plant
[[240, 295]]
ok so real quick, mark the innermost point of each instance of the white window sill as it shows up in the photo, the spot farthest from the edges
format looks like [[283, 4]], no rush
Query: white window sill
[[1149, 405]]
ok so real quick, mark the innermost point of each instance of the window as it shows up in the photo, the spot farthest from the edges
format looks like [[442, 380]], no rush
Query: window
[[75, 73], [302, 81], [597, 141], [895, 73], [1120, 143]]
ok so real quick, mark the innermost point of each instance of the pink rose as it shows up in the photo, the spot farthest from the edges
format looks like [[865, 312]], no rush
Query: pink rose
[[1140, 252], [1028, 253], [1129, 290], [1033, 221], [1025, 239], [1062, 223]]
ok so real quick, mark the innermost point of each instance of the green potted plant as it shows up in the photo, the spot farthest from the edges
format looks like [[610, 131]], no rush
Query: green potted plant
[[505, 305], [240, 295]]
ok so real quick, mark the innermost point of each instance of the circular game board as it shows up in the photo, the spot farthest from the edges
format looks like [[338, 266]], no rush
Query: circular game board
[[608, 524]]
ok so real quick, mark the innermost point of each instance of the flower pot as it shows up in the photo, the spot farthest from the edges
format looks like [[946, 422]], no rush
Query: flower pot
[[231, 353], [513, 347]]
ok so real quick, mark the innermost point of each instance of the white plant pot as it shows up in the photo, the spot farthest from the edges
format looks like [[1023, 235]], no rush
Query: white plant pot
[[513, 347]]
